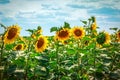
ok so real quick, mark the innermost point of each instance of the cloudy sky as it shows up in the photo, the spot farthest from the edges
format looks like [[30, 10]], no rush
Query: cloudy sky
[[48, 13]]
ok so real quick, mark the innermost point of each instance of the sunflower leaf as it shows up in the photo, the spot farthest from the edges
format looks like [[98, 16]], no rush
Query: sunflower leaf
[[53, 29], [113, 29], [29, 30], [3, 26], [66, 25], [85, 22]]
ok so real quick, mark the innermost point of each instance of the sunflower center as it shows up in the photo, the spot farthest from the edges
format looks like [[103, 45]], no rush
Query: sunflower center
[[119, 34], [18, 47], [11, 33], [63, 34], [77, 32], [40, 43]]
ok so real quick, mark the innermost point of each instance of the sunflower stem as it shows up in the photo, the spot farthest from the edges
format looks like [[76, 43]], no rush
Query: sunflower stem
[[78, 58], [94, 64], [26, 65], [57, 58], [1, 56]]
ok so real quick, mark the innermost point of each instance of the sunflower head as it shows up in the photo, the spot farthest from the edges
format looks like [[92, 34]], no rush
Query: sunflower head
[[118, 36], [11, 34], [19, 47], [39, 31], [78, 32], [62, 34], [93, 26], [33, 36], [103, 38], [41, 44]]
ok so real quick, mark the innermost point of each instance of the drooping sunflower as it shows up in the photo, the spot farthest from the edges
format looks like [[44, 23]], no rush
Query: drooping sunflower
[[63, 34], [78, 32], [41, 44], [11, 34], [19, 47], [118, 36], [103, 38]]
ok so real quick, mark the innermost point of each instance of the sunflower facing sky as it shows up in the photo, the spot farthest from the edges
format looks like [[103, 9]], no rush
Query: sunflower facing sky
[[63, 34], [103, 38], [41, 44], [78, 32], [19, 47], [11, 34]]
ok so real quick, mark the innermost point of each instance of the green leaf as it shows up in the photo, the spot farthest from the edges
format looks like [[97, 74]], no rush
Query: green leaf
[[85, 22], [66, 25], [30, 30], [52, 55], [53, 29], [70, 51], [91, 45], [11, 69], [113, 29], [86, 38], [84, 51], [9, 46], [3, 26]]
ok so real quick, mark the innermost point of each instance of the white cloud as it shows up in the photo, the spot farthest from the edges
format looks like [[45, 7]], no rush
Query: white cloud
[[77, 14], [46, 11]]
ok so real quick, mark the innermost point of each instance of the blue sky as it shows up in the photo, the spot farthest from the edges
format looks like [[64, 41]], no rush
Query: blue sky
[[48, 13]]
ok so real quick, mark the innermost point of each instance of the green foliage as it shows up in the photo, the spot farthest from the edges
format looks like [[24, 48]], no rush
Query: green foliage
[[78, 59], [66, 25], [53, 29]]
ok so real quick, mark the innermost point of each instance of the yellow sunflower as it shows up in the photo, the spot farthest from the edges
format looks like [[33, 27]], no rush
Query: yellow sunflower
[[63, 34], [93, 26], [118, 36], [11, 34], [103, 38], [19, 47], [33, 36], [41, 44], [39, 31], [78, 32], [107, 38]]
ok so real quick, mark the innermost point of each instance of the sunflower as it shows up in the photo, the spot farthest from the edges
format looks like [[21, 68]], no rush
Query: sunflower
[[78, 32], [39, 31], [33, 36], [63, 34], [93, 26], [41, 44], [118, 36], [103, 38], [19, 47], [11, 34]]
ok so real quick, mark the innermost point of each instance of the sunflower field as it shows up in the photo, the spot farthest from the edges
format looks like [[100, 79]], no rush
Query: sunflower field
[[73, 53]]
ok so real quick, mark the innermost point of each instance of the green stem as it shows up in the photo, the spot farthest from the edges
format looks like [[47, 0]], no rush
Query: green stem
[[78, 58], [94, 53], [1, 56], [57, 58], [2, 50], [26, 65]]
